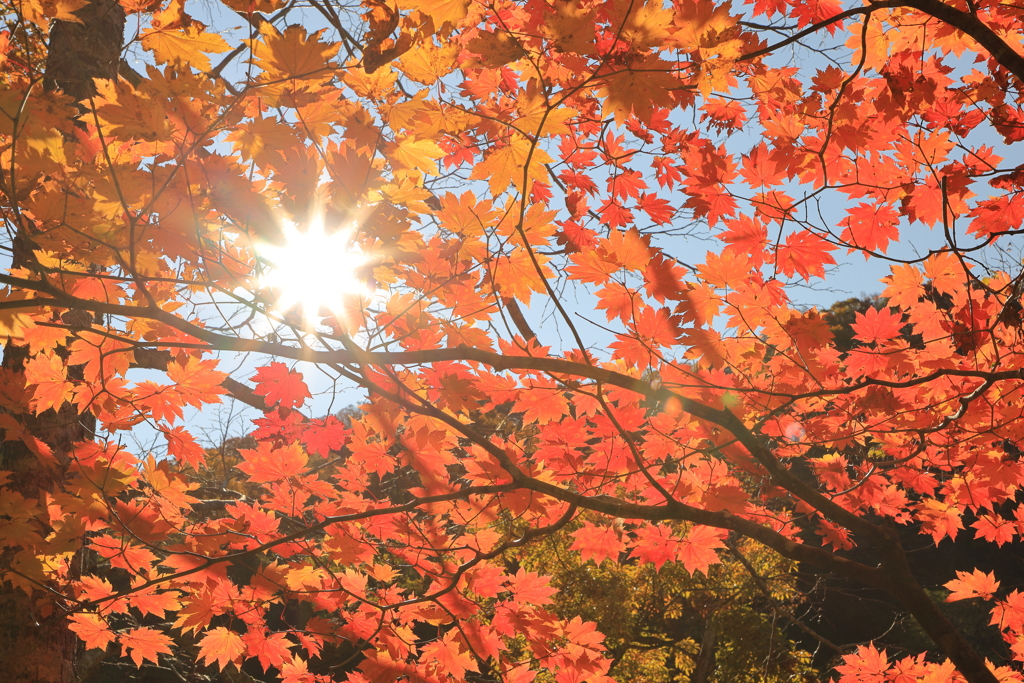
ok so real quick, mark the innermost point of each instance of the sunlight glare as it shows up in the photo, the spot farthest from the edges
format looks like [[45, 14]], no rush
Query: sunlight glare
[[314, 269]]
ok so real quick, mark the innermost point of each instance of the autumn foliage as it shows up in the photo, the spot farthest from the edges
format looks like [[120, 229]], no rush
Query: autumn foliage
[[541, 347]]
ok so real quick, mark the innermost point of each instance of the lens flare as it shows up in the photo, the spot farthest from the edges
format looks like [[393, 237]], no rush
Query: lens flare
[[314, 270]]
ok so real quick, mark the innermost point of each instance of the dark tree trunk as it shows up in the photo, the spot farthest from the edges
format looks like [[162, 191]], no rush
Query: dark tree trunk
[[78, 53], [34, 649], [704, 667]]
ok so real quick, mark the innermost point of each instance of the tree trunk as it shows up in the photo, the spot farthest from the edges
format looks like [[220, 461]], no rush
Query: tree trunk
[[704, 667], [78, 53], [34, 649]]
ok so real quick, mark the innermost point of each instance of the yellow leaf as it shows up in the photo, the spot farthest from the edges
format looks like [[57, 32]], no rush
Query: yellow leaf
[[293, 55], [496, 48], [246, 6], [183, 46], [49, 377], [716, 75], [374, 85], [442, 11], [700, 24], [319, 116], [506, 165], [536, 117], [40, 12], [13, 321], [408, 194], [254, 138], [638, 88], [125, 112], [47, 143], [427, 63], [647, 26], [516, 276], [418, 155], [571, 28], [404, 115], [436, 118]]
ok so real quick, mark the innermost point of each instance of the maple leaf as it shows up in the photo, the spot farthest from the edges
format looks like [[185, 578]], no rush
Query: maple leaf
[[415, 154], [531, 588], [877, 325], [866, 664], [255, 139], [656, 544], [725, 270], [183, 46], [150, 601], [627, 248], [995, 528], [40, 12], [760, 168], [450, 655], [222, 646], [267, 463], [618, 301], [102, 356], [92, 629], [871, 227], [639, 88], [975, 584], [697, 550], [184, 447], [1009, 613], [660, 210], [598, 542], [49, 376], [280, 386], [145, 644], [442, 11], [293, 54], [272, 650], [940, 519], [804, 253], [320, 437], [197, 382], [511, 164]]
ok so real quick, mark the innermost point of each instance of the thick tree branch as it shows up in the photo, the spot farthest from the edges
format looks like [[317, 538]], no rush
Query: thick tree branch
[[966, 22], [971, 25]]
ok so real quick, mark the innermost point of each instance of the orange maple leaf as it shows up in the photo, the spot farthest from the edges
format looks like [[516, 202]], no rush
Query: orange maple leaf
[[222, 646], [975, 584], [145, 644]]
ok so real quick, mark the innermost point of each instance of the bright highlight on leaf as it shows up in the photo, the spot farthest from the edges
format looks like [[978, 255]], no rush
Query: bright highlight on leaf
[[314, 270]]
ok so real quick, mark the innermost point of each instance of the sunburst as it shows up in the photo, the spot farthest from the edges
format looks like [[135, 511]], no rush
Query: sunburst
[[315, 270]]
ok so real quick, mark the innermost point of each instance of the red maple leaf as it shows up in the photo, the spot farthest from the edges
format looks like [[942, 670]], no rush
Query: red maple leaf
[[598, 542], [698, 549], [877, 325], [804, 253], [281, 386], [320, 437], [450, 656], [871, 226], [267, 463]]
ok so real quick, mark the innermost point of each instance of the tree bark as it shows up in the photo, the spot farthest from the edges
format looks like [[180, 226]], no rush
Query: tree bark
[[78, 53], [34, 649], [704, 667]]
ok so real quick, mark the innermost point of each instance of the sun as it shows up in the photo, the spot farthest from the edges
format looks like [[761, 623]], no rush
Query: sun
[[314, 269]]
